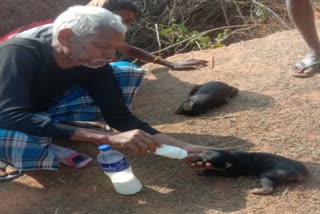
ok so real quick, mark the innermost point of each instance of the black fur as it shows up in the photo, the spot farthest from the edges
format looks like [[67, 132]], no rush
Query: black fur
[[270, 169], [201, 98]]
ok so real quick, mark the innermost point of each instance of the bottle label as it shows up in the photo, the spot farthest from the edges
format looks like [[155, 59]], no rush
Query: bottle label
[[115, 167]]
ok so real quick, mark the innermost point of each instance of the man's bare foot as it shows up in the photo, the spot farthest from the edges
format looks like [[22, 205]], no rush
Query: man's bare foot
[[307, 67], [8, 172]]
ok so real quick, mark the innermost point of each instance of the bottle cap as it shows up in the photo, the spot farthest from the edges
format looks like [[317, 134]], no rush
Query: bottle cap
[[104, 148], [183, 154]]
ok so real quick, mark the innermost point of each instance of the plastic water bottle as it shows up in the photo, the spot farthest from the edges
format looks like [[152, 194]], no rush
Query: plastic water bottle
[[171, 152], [116, 167]]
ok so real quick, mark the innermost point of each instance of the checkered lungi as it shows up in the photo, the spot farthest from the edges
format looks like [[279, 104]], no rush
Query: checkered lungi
[[29, 152]]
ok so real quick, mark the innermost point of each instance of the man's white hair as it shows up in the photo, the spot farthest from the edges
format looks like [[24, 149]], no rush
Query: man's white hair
[[85, 21]]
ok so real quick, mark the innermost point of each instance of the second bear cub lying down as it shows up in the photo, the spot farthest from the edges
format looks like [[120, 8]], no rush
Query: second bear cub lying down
[[201, 98], [270, 169]]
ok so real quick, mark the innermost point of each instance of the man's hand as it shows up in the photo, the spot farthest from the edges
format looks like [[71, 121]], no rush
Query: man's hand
[[188, 64], [97, 3], [137, 141]]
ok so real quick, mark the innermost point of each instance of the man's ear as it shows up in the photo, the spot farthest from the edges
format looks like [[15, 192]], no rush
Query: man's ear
[[65, 37]]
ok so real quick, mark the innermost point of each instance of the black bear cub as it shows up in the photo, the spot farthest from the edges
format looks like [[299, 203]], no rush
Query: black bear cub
[[269, 168], [201, 98]]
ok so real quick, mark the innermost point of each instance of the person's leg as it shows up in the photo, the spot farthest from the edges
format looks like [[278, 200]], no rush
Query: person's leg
[[24, 152], [302, 15], [74, 105], [77, 105], [28, 152], [129, 77], [8, 172]]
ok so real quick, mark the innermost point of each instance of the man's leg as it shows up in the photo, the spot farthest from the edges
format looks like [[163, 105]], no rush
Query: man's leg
[[302, 15], [26, 152], [77, 105], [74, 105], [129, 77], [76, 108]]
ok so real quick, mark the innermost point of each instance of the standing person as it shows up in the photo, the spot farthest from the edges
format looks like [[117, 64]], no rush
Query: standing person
[[302, 15], [44, 82]]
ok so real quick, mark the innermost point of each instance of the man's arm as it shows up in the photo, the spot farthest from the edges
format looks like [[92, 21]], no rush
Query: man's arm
[[18, 67], [103, 88], [143, 55], [137, 141], [45, 31]]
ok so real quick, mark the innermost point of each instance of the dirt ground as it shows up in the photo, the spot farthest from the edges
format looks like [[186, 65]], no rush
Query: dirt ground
[[273, 112]]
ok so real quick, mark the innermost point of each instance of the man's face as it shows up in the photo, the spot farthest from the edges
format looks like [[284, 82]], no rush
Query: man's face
[[96, 50], [127, 16]]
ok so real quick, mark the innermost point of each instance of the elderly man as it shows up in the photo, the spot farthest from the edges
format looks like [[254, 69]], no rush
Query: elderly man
[[44, 82]]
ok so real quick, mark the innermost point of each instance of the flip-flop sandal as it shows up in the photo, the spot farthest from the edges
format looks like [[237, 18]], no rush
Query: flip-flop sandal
[[304, 67], [8, 172]]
